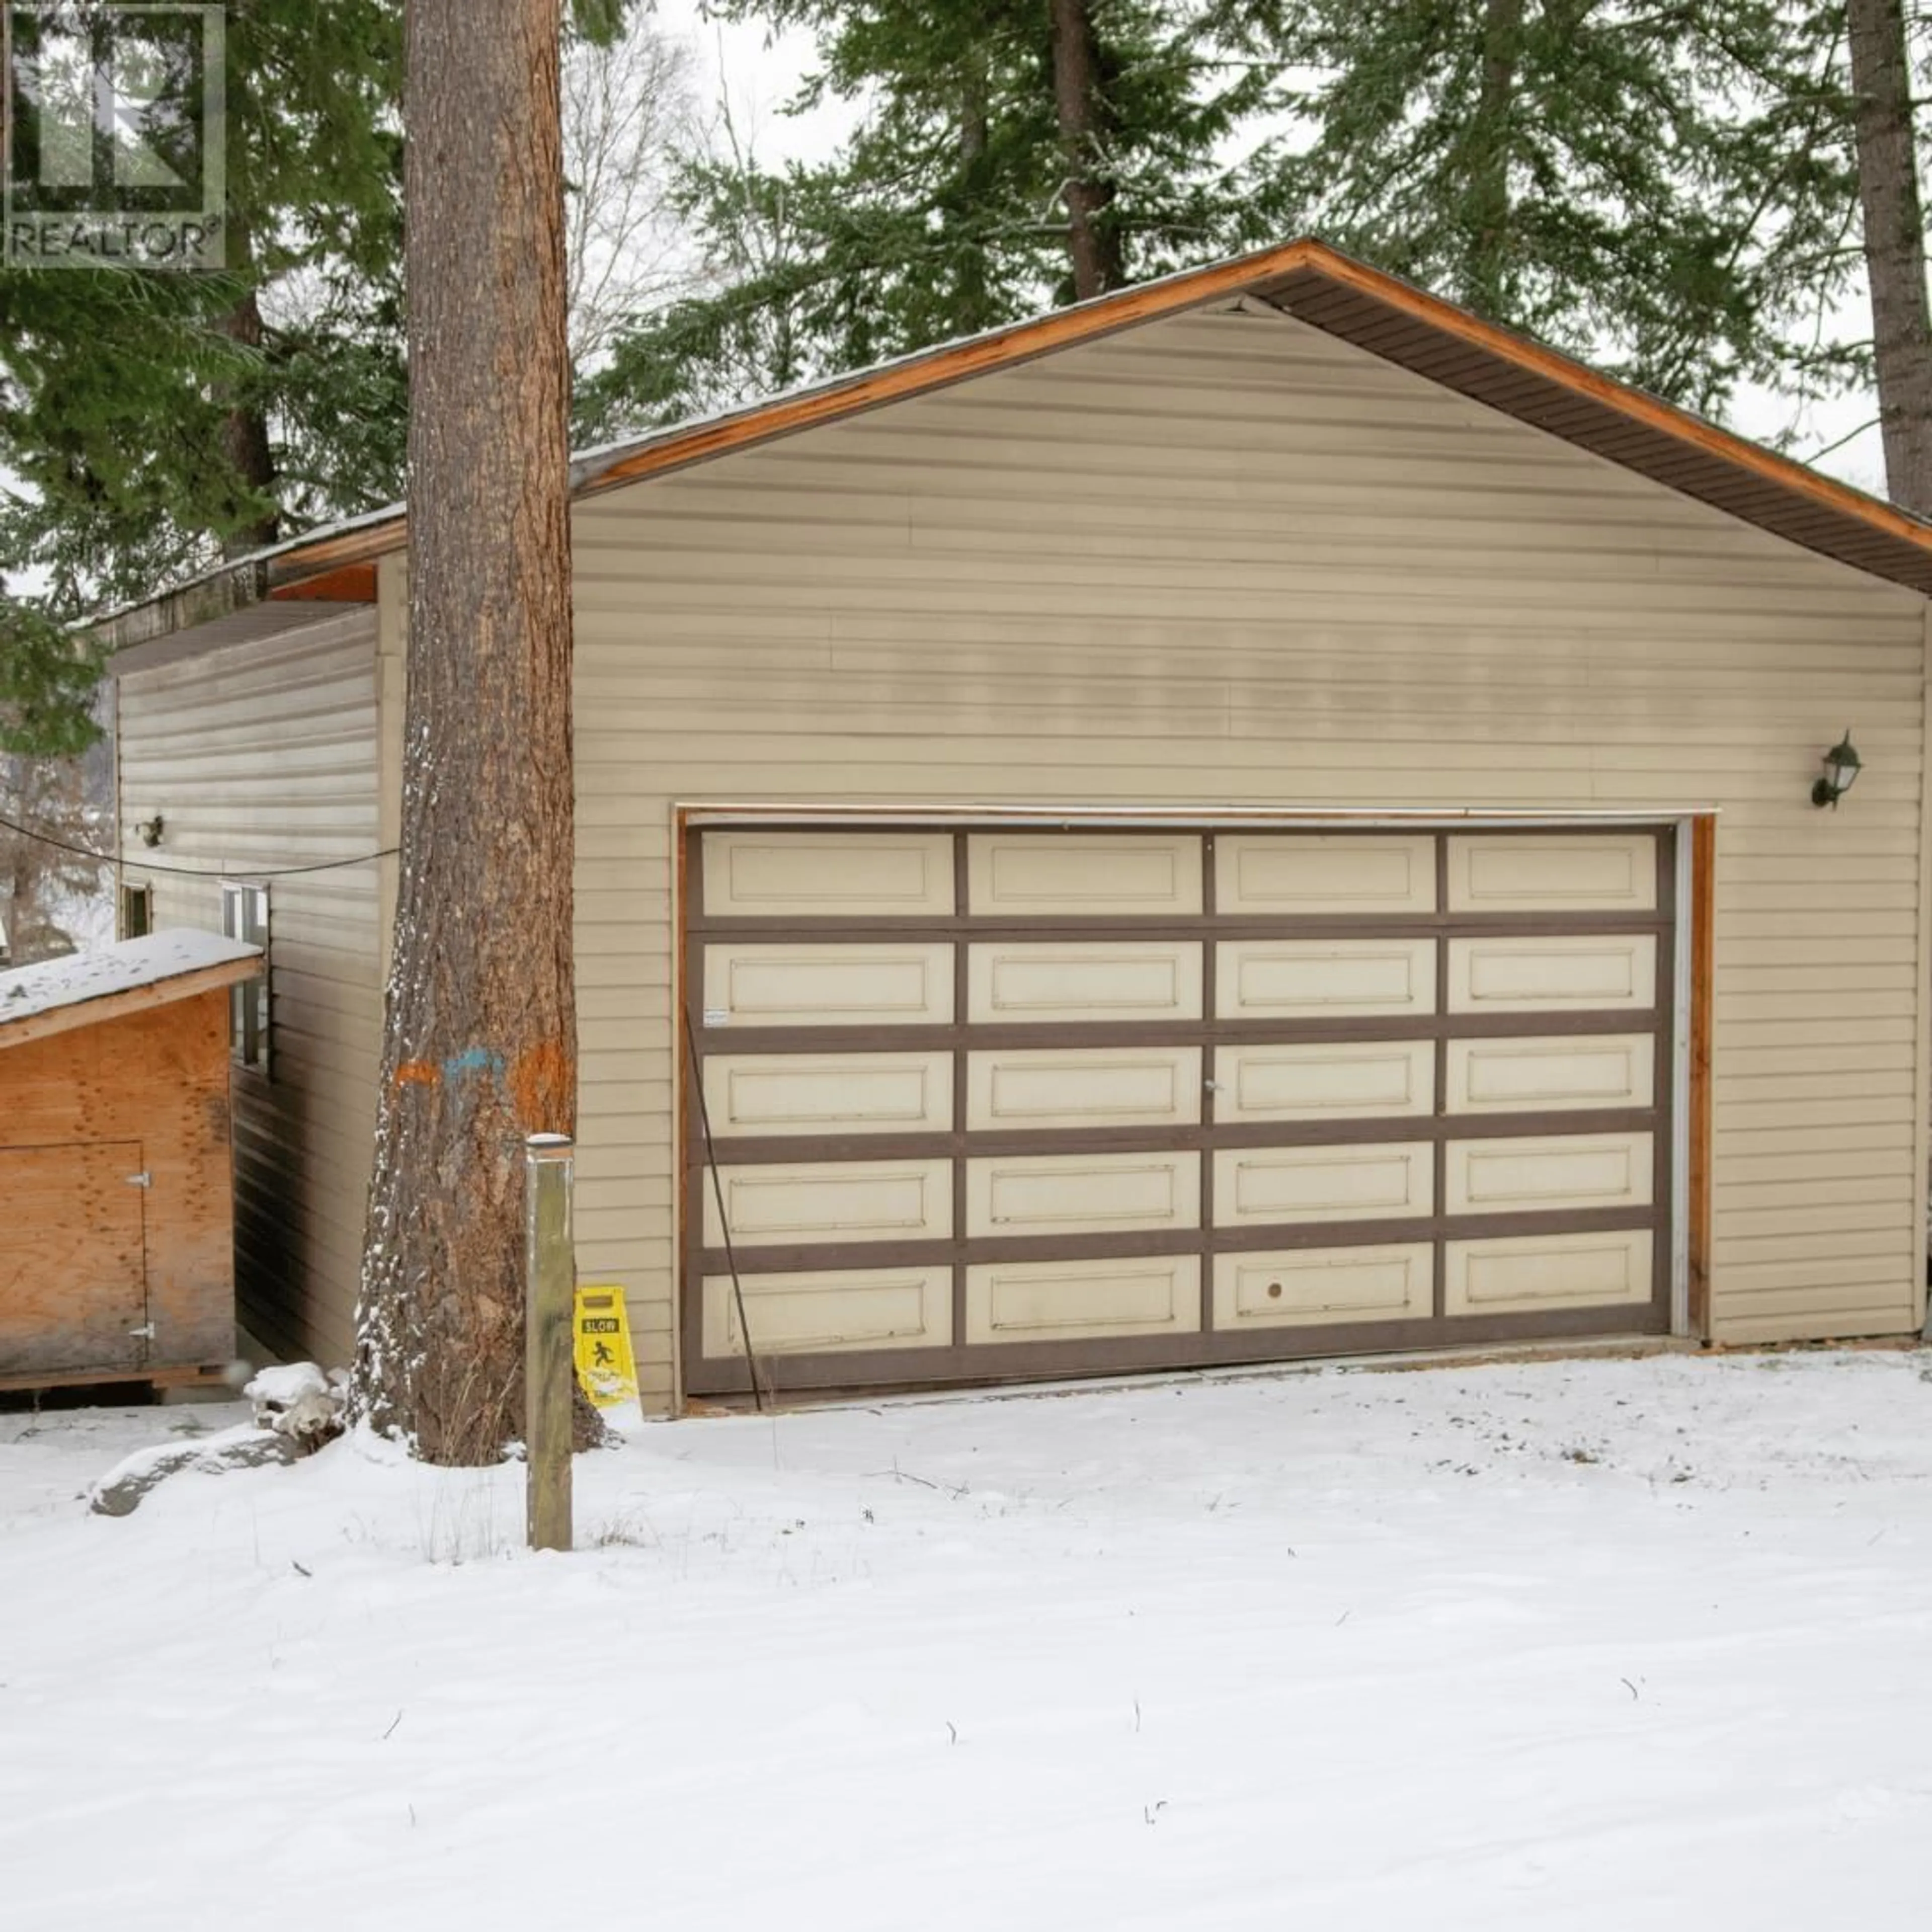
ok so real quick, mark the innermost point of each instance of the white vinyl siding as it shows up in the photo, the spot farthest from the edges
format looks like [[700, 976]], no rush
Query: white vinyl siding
[[1227, 560], [261, 757]]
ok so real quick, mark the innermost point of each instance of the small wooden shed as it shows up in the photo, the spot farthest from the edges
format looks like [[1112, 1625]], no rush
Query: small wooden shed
[[116, 1188]]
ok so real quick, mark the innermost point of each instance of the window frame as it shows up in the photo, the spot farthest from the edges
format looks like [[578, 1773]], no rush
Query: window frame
[[247, 915], [139, 892]]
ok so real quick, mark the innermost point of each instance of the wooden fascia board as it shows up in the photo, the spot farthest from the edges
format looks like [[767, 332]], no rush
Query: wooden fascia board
[[118, 1006], [981, 355], [215, 597], [346, 583], [365, 544], [345, 554]]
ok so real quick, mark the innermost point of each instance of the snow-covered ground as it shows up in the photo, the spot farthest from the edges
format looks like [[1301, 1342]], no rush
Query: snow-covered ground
[[1553, 1645]]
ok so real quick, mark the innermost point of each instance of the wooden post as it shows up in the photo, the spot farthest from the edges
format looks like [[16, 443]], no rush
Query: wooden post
[[550, 1286]]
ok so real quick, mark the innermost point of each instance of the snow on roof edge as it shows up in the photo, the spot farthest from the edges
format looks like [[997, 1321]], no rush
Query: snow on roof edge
[[126, 967]]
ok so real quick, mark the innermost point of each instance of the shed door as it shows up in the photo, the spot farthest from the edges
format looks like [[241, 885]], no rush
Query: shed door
[[998, 1103], [73, 1270]]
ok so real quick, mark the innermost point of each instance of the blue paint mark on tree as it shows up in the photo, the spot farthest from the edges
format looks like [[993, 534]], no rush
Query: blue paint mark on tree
[[476, 1059]]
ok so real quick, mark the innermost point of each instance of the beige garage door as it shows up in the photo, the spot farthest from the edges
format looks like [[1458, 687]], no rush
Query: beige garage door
[[994, 1103]]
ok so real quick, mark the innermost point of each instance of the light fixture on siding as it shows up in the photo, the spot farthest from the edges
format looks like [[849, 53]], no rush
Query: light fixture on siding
[[149, 830], [1842, 766]]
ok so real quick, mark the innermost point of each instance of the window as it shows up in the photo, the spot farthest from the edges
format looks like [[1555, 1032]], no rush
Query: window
[[137, 911], [244, 916]]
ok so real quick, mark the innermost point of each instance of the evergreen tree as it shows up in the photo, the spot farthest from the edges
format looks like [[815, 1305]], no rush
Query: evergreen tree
[[1885, 140], [1658, 188], [47, 684], [151, 423], [1010, 153], [154, 421], [480, 1029], [153, 416]]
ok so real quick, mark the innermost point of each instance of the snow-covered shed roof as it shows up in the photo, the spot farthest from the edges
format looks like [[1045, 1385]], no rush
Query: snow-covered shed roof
[[128, 976]]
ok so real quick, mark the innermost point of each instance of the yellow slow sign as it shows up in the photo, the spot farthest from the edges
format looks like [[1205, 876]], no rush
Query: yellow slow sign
[[604, 1363]]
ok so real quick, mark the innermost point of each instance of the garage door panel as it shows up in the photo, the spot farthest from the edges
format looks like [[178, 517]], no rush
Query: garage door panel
[[823, 875], [1079, 1300], [1543, 1173], [1381, 1181], [1535, 1273], [1540, 1075], [1027, 875], [1308, 1287], [829, 1094], [1577, 872], [788, 1202], [1021, 983], [1082, 1194], [884, 983], [1355, 1081], [833, 1311], [1561, 973], [1320, 874], [969, 1190], [1324, 979], [1098, 1086]]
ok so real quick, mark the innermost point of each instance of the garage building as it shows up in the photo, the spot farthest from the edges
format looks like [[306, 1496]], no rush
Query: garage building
[[1261, 816]]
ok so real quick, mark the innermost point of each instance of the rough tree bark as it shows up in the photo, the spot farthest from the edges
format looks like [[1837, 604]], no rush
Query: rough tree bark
[[245, 438], [1490, 147], [480, 1046], [1895, 243], [969, 192], [244, 429], [1092, 241]]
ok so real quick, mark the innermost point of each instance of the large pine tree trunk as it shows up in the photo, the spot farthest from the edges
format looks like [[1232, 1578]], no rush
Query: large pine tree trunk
[[1895, 246], [245, 439], [1490, 149], [244, 429], [480, 1048], [970, 195], [1093, 241]]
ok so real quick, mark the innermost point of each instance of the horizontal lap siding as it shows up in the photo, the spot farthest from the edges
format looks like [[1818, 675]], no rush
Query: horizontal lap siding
[[1229, 559], [260, 757]]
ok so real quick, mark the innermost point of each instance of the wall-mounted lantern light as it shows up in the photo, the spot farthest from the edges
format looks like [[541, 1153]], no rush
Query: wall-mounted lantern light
[[1842, 766], [150, 830]]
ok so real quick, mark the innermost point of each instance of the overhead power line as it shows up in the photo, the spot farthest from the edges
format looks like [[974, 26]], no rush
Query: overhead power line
[[199, 872]]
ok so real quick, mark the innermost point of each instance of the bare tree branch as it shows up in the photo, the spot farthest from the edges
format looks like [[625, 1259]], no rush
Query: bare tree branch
[[629, 113]]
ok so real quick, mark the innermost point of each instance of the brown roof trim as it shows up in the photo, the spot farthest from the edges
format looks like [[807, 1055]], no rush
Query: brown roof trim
[[347, 584], [361, 545], [1538, 386], [956, 362], [1551, 392], [1387, 317], [1638, 404]]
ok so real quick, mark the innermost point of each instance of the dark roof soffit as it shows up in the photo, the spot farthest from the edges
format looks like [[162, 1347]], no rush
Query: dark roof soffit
[[1742, 480]]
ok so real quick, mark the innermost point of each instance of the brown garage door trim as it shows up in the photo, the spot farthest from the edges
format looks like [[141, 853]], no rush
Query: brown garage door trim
[[960, 1361]]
